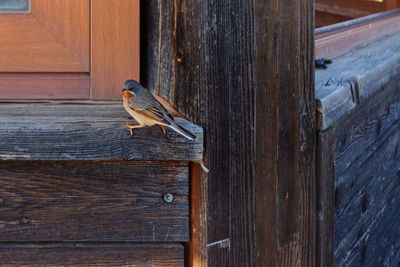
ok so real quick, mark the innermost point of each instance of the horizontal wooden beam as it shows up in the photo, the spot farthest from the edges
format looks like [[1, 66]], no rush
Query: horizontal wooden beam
[[84, 254], [44, 86], [353, 77], [335, 40], [91, 132], [96, 201]]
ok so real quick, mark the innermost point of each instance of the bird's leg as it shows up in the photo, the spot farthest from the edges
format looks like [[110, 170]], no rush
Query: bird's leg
[[163, 129], [131, 126]]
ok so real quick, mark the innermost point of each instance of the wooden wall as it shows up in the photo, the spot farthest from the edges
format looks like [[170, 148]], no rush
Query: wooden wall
[[243, 70], [358, 159]]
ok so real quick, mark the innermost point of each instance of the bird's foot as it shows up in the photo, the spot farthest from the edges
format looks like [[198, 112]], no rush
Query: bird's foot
[[163, 129], [132, 126]]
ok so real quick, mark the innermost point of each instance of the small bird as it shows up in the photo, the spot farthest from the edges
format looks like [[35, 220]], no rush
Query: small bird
[[147, 111]]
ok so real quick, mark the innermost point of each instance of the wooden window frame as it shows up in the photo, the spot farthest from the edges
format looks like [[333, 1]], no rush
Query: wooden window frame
[[114, 58]]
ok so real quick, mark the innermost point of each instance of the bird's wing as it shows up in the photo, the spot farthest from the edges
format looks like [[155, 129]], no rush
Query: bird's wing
[[169, 107], [150, 107]]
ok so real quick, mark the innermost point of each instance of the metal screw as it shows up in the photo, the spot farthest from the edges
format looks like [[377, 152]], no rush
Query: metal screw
[[168, 198]]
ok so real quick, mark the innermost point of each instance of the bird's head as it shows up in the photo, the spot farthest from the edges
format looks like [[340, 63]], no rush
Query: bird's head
[[131, 88]]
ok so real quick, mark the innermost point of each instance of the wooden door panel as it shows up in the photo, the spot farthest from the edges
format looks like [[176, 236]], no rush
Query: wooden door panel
[[93, 201], [92, 255], [53, 37], [115, 53]]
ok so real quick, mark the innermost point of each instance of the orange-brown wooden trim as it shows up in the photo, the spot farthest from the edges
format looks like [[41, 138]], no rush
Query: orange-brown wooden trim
[[44, 86], [370, 6], [196, 249], [115, 47], [340, 41]]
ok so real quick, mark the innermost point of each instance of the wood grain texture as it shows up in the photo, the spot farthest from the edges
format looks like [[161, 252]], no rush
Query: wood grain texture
[[44, 86], [377, 244], [54, 37], [115, 47], [325, 196], [93, 201], [354, 77], [243, 70], [366, 167], [197, 247], [366, 217], [143, 255], [355, 33], [157, 46], [78, 132], [359, 131]]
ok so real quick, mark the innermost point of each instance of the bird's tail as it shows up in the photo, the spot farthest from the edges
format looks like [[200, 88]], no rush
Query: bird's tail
[[182, 131]]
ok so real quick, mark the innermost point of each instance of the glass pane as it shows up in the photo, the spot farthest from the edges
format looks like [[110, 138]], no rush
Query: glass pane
[[14, 5]]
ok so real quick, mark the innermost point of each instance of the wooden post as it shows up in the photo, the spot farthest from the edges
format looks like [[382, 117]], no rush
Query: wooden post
[[243, 70]]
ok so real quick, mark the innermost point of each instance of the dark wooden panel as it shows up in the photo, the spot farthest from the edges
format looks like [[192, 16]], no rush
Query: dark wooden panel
[[359, 133], [93, 201], [158, 46], [363, 191], [79, 132], [92, 255], [377, 241], [366, 166], [325, 197], [245, 67]]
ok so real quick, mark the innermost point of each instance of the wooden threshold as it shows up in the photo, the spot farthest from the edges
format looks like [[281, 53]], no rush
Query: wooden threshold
[[93, 132], [335, 40], [45, 86]]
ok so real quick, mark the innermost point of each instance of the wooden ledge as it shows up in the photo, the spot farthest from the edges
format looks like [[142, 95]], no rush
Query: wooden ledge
[[88, 132], [355, 76]]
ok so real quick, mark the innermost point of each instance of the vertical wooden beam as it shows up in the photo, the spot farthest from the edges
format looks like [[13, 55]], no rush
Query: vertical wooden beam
[[115, 47], [196, 251], [325, 188], [244, 71]]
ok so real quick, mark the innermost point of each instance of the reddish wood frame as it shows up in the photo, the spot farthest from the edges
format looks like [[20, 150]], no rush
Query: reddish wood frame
[[335, 40], [114, 57]]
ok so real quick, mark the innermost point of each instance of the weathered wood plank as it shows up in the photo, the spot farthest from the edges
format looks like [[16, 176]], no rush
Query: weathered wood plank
[[377, 242], [361, 193], [355, 76], [158, 46], [62, 254], [358, 133], [325, 179], [93, 201], [244, 67], [79, 132]]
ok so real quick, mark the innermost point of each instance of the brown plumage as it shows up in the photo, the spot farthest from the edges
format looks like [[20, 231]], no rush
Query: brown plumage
[[147, 111]]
